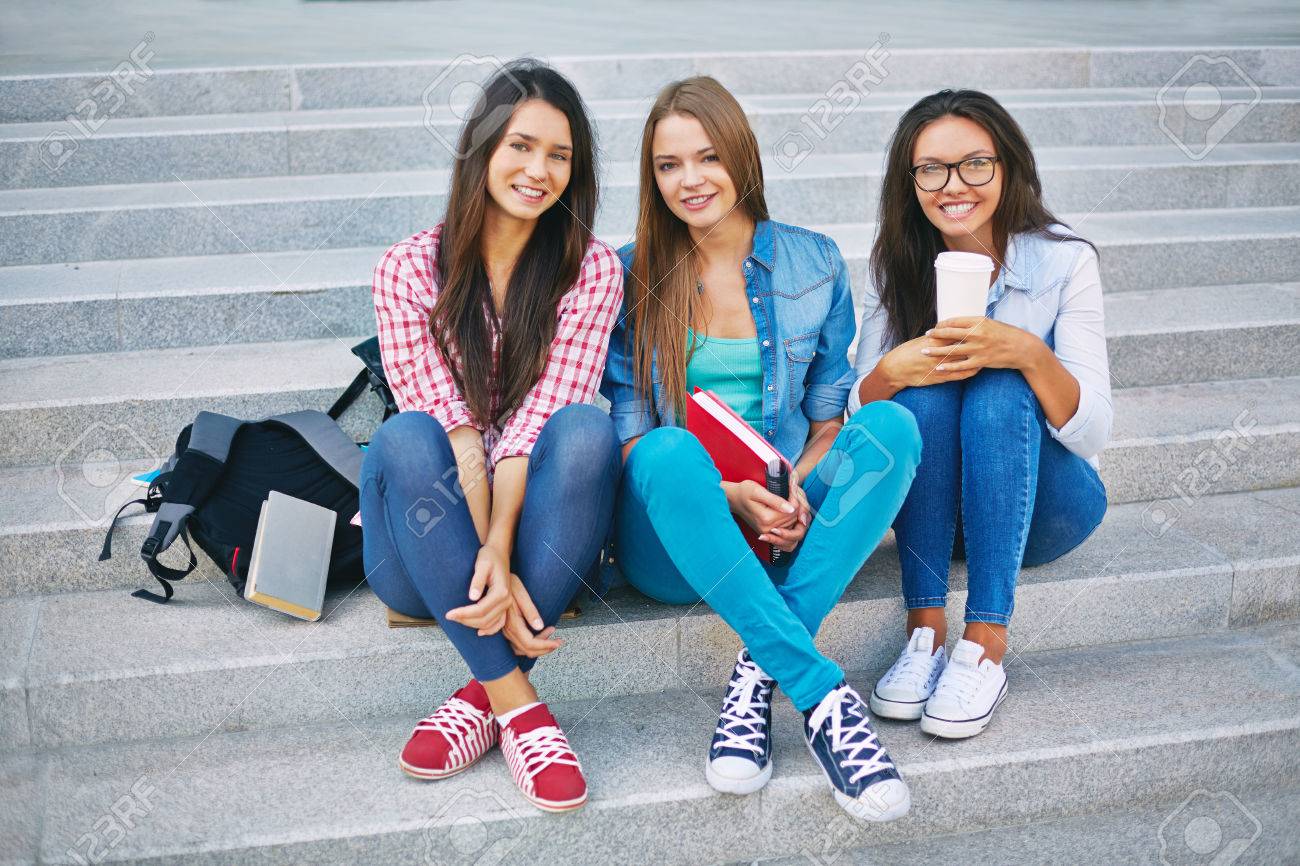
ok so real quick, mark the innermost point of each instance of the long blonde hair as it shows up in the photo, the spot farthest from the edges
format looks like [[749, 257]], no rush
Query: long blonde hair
[[662, 290]]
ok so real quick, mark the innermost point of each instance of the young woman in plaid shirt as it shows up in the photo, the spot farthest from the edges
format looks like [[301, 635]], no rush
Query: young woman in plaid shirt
[[494, 326]]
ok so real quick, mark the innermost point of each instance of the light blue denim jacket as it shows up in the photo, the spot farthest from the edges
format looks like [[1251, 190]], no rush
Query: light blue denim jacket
[[798, 287], [1050, 287]]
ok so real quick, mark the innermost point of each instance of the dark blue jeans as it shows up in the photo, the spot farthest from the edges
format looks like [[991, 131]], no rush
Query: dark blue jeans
[[419, 538], [1023, 497]]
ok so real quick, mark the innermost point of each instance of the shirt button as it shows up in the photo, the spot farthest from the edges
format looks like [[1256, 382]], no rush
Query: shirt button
[[767, 343], [771, 387], [770, 432], [755, 300], [747, 265]]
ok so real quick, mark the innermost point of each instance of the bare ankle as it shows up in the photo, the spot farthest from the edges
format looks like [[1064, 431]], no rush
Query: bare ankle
[[510, 692], [991, 636], [929, 617]]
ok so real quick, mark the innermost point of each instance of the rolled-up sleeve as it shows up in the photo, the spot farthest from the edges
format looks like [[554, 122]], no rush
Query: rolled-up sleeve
[[871, 331], [1080, 345], [577, 357], [403, 292], [829, 375]]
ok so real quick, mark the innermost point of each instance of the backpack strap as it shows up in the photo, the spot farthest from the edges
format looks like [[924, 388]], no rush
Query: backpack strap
[[327, 439], [369, 354], [210, 438], [350, 395]]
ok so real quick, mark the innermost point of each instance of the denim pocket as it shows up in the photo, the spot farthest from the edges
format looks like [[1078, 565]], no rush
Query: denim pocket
[[799, 354]]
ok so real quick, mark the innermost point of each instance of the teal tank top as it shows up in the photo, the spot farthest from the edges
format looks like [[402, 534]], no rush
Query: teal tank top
[[731, 368]]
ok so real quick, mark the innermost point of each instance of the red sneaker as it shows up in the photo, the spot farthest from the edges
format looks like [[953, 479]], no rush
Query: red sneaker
[[457, 734], [541, 762]]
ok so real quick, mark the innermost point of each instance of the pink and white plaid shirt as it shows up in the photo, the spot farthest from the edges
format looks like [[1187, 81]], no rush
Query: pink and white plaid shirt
[[405, 289]]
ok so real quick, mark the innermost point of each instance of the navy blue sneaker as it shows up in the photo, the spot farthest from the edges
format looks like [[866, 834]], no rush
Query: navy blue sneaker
[[866, 782], [740, 756]]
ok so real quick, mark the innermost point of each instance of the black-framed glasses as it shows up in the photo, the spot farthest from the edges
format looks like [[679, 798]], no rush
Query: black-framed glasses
[[934, 176]]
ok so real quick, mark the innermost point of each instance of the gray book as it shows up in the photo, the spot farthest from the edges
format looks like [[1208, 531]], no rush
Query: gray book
[[291, 556]]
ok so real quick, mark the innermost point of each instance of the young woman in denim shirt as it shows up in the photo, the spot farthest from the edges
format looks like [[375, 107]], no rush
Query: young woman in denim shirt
[[1013, 406], [720, 297]]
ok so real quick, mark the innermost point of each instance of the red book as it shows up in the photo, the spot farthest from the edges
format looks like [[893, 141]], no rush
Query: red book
[[737, 450]]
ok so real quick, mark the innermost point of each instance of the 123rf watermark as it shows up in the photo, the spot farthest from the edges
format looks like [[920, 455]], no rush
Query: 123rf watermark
[[105, 100], [428, 511], [1210, 464], [473, 828], [1204, 101], [1207, 828], [112, 827], [840, 100]]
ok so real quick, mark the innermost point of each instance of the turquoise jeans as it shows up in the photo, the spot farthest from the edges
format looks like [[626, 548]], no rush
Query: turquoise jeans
[[678, 542]]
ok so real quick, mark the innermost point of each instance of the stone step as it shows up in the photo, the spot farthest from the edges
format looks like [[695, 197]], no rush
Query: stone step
[[306, 87], [1157, 337], [186, 218], [1181, 336], [1253, 829], [790, 128], [1178, 442], [183, 217], [1066, 742], [1146, 250], [92, 666], [234, 216], [76, 412]]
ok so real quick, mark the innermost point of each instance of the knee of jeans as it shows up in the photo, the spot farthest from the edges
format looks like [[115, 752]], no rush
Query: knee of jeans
[[995, 401], [930, 402], [580, 441], [666, 450], [894, 426], [579, 432], [407, 442]]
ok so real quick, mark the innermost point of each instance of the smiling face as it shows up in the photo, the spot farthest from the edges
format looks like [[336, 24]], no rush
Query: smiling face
[[531, 166], [690, 175], [961, 212]]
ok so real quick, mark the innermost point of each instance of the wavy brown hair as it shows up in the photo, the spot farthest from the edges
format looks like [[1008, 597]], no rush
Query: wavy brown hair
[[902, 258], [464, 316], [662, 293]]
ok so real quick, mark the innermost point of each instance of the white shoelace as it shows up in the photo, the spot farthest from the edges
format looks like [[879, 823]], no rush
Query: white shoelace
[[912, 669], [959, 682], [460, 722], [540, 748], [739, 723], [844, 705]]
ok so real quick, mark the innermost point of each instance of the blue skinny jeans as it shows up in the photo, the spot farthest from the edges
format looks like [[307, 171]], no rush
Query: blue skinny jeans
[[419, 538], [1023, 497], [677, 541]]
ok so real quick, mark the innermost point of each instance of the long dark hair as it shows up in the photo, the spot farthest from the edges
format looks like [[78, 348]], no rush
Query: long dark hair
[[464, 316], [902, 258], [663, 241]]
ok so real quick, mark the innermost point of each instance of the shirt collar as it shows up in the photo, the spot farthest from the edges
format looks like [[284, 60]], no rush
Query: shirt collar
[[764, 245], [1019, 265]]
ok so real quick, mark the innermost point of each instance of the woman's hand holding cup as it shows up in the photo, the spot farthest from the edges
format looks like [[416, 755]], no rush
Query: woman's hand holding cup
[[971, 343], [914, 364]]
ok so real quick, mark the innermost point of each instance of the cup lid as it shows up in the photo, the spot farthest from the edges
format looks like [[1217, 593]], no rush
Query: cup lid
[[973, 263]]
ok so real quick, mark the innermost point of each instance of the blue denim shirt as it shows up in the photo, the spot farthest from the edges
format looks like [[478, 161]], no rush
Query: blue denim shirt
[[1050, 287], [798, 287]]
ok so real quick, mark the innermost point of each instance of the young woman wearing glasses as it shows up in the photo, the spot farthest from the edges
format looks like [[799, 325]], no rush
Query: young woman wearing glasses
[[1013, 406]]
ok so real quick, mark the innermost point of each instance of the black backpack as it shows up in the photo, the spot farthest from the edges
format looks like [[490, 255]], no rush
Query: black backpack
[[210, 491]]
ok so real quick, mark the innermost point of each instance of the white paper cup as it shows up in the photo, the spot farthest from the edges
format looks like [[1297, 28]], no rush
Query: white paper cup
[[961, 284]]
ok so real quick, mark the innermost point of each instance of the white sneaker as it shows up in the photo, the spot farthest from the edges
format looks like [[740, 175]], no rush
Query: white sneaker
[[966, 696], [902, 692]]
